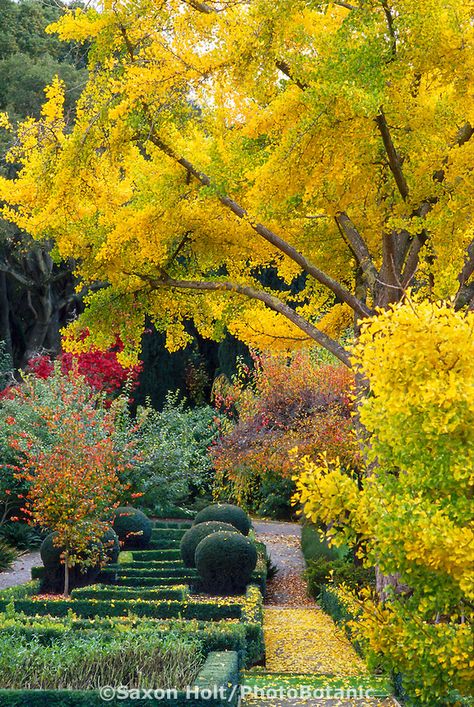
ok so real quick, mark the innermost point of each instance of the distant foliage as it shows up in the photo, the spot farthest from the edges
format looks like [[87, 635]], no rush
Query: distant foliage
[[101, 368], [282, 409], [175, 464]]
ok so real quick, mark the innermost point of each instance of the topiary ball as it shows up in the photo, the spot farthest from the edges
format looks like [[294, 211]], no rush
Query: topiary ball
[[132, 527], [225, 513], [111, 544], [195, 534], [53, 580], [225, 562]]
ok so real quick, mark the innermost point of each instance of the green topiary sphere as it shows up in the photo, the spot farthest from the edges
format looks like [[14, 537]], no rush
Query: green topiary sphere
[[225, 562], [132, 527], [225, 513], [194, 535], [111, 545]]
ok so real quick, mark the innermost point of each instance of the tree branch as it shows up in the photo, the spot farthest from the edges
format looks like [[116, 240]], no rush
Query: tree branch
[[336, 287], [270, 301], [285, 69], [358, 246], [466, 272], [394, 160]]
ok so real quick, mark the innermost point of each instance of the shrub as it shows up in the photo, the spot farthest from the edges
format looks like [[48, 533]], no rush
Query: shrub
[[314, 547], [81, 662], [281, 405], [132, 527], [20, 535], [7, 555], [176, 466], [111, 544], [335, 572], [194, 535], [225, 513], [225, 561]]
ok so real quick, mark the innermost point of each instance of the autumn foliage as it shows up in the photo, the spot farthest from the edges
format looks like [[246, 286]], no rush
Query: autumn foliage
[[284, 408], [71, 466], [100, 368], [414, 515]]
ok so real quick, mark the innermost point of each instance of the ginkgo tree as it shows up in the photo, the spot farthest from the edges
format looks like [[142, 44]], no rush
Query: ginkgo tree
[[328, 144]]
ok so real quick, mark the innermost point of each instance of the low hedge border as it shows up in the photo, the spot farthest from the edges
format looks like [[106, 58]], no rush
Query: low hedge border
[[159, 555], [89, 608], [131, 570], [219, 671], [332, 603], [170, 533], [212, 636], [106, 592], [176, 525]]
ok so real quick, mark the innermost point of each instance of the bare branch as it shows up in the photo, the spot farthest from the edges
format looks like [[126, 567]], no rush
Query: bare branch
[[270, 301], [285, 69], [465, 274]]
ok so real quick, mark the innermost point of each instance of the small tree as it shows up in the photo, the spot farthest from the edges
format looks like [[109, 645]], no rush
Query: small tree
[[73, 471]]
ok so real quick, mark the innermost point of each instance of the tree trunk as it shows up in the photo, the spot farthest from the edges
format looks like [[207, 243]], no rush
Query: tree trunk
[[66, 574]]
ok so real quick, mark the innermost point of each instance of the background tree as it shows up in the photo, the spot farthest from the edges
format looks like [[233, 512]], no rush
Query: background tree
[[37, 295]]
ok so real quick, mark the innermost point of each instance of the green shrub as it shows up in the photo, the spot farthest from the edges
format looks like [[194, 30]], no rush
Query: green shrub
[[225, 562], [132, 527], [111, 544], [20, 535], [8, 555], [335, 572], [313, 547], [107, 592], [225, 513], [195, 534], [82, 662], [140, 555]]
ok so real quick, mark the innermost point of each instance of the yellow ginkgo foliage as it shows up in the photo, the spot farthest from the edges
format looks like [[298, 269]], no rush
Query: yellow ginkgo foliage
[[414, 515], [249, 164]]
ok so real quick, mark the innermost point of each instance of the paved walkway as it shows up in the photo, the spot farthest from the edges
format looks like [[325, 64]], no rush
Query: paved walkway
[[20, 571], [302, 642]]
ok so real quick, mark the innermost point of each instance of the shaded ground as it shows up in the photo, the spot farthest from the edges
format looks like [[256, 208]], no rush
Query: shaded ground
[[20, 571], [283, 541]]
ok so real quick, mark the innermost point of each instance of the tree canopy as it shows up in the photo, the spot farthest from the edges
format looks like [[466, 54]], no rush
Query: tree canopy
[[215, 141]]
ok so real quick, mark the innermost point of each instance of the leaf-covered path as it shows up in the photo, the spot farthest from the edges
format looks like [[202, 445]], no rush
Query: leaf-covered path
[[306, 653]]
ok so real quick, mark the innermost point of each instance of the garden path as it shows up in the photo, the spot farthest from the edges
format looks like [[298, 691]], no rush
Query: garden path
[[303, 645], [20, 572]]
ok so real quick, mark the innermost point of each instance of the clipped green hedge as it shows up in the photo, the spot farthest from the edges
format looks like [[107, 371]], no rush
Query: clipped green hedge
[[168, 533], [164, 609], [107, 592], [140, 581], [156, 555], [220, 668], [131, 570], [176, 525]]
